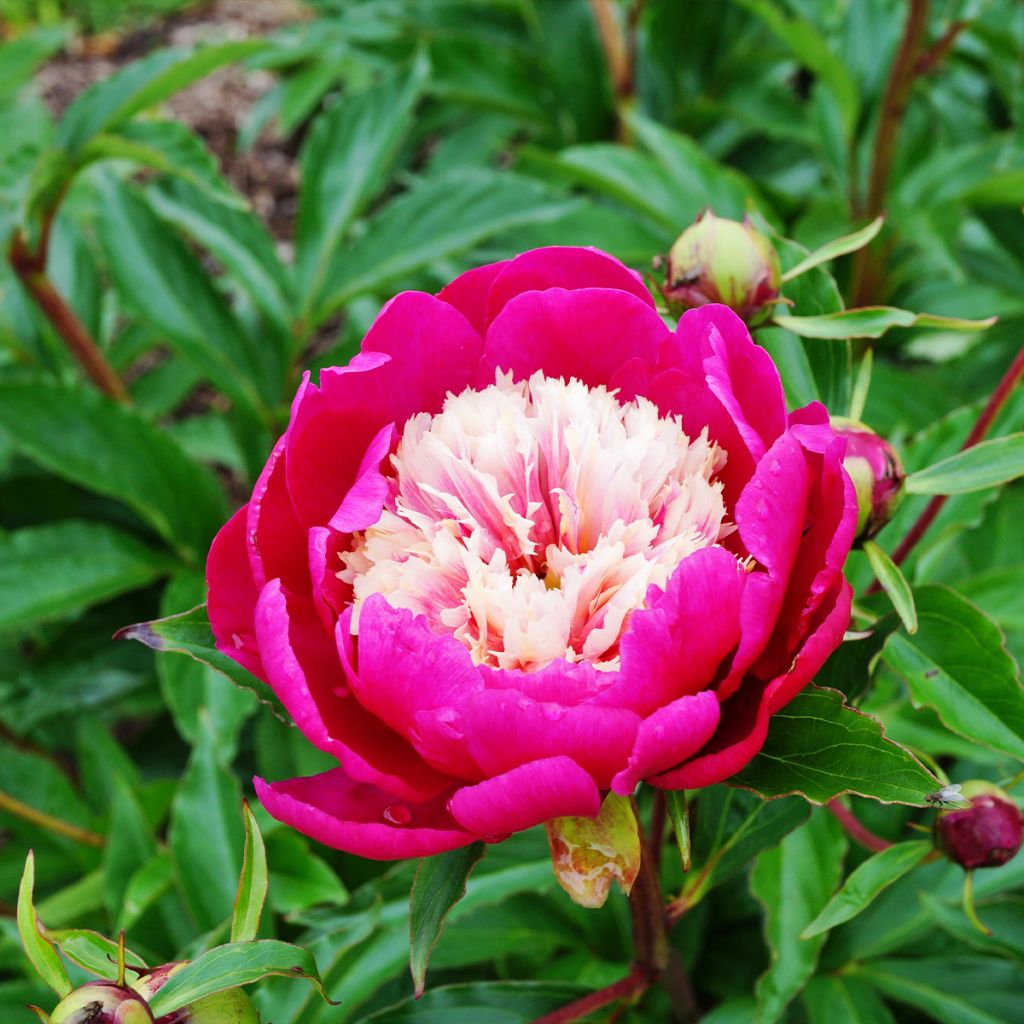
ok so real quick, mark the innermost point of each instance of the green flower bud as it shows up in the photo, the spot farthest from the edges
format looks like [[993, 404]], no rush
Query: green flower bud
[[727, 261], [230, 1007]]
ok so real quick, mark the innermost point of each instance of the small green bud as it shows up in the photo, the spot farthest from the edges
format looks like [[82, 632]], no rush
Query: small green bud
[[102, 1002], [876, 472], [727, 261], [230, 1007]]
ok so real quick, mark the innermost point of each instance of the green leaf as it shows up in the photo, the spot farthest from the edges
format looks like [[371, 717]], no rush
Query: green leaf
[[168, 147], [146, 886], [205, 835], [93, 952], [189, 633], [130, 845], [988, 464], [893, 583], [867, 881], [344, 164], [299, 879], [820, 748], [92, 441], [872, 322], [165, 284], [837, 999], [439, 884], [252, 883], [439, 219], [39, 951], [732, 826], [837, 247], [793, 882], [233, 965], [679, 815], [958, 664], [950, 989], [141, 84], [47, 572], [496, 1002]]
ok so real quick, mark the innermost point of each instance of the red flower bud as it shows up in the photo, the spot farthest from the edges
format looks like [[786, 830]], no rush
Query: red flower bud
[[987, 834], [102, 1002], [877, 474], [719, 260]]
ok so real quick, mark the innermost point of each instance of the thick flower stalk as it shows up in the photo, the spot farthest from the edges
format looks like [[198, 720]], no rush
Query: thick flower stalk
[[530, 548]]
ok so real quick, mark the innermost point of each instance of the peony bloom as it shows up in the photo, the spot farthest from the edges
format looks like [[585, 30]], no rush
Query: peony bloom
[[529, 547]]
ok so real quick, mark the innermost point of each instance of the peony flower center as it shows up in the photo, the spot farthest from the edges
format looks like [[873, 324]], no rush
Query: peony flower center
[[529, 519]]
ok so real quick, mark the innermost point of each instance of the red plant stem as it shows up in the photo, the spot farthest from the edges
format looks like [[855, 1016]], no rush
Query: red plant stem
[[998, 398], [855, 830], [894, 104], [635, 982], [31, 271]]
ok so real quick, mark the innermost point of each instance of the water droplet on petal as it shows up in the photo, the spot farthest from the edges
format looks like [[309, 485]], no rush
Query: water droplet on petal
[[450, 722], [341, 691], [397, 814], [775, 466], [237, 641]]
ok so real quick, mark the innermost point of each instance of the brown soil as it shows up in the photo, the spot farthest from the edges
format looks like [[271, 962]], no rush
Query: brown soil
[[215, 107]]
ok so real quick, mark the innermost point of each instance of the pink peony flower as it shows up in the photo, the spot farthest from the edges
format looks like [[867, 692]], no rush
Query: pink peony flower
[[531, 546]]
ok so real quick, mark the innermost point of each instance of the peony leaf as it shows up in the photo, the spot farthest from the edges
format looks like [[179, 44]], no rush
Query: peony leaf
[[958, 664], [496, 1002], [838, 999], [94, 952], [837, 247], [38, 948], [231, 966], [820, 748], [439, 884], [252, 883], [983, 465], [793, 882], [189, 633], [873, 322], [894, 584], [679, 815], [588, 854], [864, 884]]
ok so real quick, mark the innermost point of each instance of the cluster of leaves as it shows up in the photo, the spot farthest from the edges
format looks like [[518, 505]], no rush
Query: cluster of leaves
[[435, 136]]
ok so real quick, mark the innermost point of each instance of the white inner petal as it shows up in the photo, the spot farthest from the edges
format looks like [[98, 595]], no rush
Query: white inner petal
[[530, 519]]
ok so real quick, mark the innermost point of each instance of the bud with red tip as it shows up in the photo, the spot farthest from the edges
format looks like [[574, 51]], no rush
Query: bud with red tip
[[727, 261], [987, 834], [102, 1002], [876, 472]]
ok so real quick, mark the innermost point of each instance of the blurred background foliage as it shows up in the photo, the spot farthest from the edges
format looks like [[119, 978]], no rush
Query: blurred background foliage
[[218, 220]]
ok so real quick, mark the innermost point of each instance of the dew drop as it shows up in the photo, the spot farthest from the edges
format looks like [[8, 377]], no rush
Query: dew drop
[[237, 641], [397, 814], [451, 722], [341, 691], [775, 466]]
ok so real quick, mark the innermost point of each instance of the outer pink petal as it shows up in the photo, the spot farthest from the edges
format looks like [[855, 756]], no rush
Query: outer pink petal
[[505, 729], [468, 293], [588, 334], [526, 796], [361, 818], [303, 669], [746, 716], [232, 594], [562, 266], [417, 350], [676, 644], [671, 735], [362, 505], [277, 543]]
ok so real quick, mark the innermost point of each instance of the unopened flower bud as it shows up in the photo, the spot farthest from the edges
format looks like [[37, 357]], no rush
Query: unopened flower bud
[[230, 1007], [727, 261], [985, 835], [877, 475], [102, 1002]]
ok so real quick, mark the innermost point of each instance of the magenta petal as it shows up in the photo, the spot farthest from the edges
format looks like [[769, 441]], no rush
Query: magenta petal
[[361, 506], [675, 645], [232, 594], [526, 796], [587, 334], [505, 728], [468, 293], [562, 266], [303, 669], [277, 542], [417, 351], [671, 735], [361, 818], [745, 717]]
